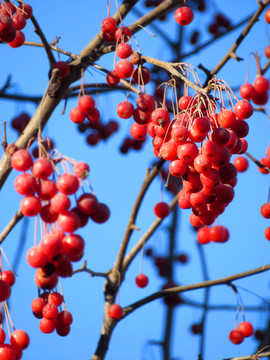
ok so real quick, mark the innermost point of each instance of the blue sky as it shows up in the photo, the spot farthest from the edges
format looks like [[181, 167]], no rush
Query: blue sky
[[116, 180]]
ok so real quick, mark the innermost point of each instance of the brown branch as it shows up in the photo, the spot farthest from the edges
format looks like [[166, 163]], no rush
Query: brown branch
[[257, 162], [179, 289], [231, 52], [92, 273], [171, 67], [47, 47], [16, 218], [147, 181], [224, 307], [4, 142], [217, 37], [52, 47], [146, 236]]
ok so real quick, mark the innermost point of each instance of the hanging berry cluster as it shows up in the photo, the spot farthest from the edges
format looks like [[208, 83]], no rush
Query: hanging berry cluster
[[47, 194], [19, 339], [12, 21]]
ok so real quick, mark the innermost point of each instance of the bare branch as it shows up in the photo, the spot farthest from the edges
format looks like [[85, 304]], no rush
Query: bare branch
[[231, 52], [16, 218], [179, 289], [147, 181], [131, 255], [91, 272], [44, 41]]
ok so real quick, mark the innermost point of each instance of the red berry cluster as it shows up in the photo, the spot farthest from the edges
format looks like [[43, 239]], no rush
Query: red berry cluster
[[217, 234], [45, 307], [99, 131], [50, 199], [245, 329], [113, 33], [130, 143], [85, 109], [12, 21], [258, 92], [220, 23], [19, 339], [208, 176]]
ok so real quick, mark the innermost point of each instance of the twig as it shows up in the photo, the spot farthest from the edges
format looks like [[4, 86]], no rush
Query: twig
[[214, 39], [179, 289], [257, 162], [6, 85], [171, 68], [147, 181], [16, 218], [134, 251], [44, 41], [52, 47], [91, 272], [231, 53], [4, 142]]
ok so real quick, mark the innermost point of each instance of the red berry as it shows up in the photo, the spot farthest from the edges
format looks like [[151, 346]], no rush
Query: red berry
[[68, 221], [63, 68], [25, 184], [183, 15], [261, 84], [246, 328], [102, 214], [247, 91], [112, 79], [81, 170], [67, 184], [138, 132], [35, 257], [162, 210], [123, 50], [125, 109], [115, 311], [42, 168], [4, 291], [8, 276], [141, 280], [109, 25], [267, 233], [267, 51], [21, 160], [64, 318], [124, 69], [18, 41], [123, 34], [86, 103], [77, 115], [241, 163], [19, 339], [30, 206], [265, 210], [236, 336], [47, 326], [141, 75], [25, 10], [243, 110]]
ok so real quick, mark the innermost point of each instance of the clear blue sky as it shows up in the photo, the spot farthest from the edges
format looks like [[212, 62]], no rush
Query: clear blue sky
[[116, 180]]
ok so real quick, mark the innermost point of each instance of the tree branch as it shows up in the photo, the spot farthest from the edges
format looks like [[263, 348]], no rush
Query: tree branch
[[179, 289], [16, 218], [47, 47], [231, 53]]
